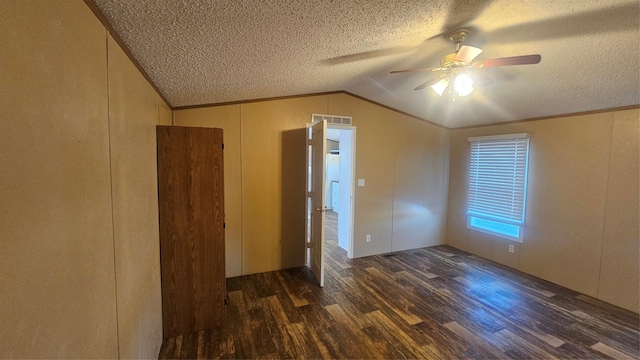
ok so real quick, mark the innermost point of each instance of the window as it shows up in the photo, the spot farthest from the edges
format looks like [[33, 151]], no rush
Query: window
[[498, 185]]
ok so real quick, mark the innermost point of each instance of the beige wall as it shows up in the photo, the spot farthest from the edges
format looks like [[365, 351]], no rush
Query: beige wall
[[421, 182], [57, 283], [402, 205], [135, 109], [582, 204], [273, 181], [620, 266], [404, 163], [79, 269]]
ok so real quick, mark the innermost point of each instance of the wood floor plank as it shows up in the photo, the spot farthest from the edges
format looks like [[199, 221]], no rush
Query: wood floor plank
[[522, 346], [434, 303], [400, 307], [315, 329], [609, 351], [309, 345], [355, 313], [189, 348], [227, 347], [283, 296], [618, 315], [209, 344], [575, 351], [200, 345], [473, 338], [384, 344], [177, 351], [260, 331], [549, 339], [167, 348], [285, 341], [358, 295], [251, 298], [351, 330], [240, 329], [383, 322], [293, 291], [353, 326], [619, 342], [603, 327], [437, 341]]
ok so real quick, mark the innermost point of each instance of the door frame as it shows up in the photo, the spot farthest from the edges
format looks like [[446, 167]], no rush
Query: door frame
[[352, 186], [352, 202]]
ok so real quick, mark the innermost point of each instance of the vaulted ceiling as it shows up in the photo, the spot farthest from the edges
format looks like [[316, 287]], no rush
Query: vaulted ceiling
[[216, 51]]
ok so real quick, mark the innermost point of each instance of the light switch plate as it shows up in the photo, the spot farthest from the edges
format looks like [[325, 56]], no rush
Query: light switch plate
[[360, 182]]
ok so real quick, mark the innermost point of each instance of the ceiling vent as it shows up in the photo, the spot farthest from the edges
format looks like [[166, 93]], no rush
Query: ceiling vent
[[332, 119]]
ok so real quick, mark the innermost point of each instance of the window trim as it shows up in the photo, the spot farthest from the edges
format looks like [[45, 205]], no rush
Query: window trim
[[509, 222]]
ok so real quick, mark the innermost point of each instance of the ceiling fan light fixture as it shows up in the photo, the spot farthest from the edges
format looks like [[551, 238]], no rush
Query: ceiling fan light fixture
[[466, 92], [440, 86], [455, 66], [463, 85]]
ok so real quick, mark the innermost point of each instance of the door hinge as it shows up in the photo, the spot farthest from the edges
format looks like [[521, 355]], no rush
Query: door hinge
[[309, 142], [224, 225], [222, 146], [308, 193]]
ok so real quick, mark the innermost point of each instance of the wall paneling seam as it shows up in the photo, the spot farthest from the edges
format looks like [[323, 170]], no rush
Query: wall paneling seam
[[241, 196], [113, 233], [606, 203]]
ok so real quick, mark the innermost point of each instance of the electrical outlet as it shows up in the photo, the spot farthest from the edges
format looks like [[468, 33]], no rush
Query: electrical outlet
[[368, 238], [511, 248]]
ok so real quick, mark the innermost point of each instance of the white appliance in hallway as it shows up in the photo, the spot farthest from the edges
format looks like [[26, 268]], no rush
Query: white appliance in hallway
[[335, 196], [332, 176]]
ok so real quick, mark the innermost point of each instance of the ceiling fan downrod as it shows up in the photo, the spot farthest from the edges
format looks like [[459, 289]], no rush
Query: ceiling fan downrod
[[458, 36]]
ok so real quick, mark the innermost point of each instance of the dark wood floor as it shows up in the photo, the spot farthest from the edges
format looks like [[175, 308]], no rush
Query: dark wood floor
[[432, 303]]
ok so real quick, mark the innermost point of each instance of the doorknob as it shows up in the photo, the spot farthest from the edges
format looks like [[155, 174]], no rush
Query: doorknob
[[321, 209]]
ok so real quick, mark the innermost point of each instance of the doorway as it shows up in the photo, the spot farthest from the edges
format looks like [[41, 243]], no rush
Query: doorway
[[339, 186], [330, 194]]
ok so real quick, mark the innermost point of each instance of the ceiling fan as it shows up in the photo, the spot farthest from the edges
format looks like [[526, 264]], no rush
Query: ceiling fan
[[456, 66]]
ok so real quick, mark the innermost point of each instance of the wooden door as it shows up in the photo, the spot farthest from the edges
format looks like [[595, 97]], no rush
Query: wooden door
[[191, 210], [318, 205]]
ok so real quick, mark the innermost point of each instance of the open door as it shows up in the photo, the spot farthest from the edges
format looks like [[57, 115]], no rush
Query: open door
[[317, 195]]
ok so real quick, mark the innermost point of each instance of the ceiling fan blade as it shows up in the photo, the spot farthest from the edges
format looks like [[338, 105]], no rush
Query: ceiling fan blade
[[468, 53], [611, 19], [434, 79], [366, 55], [514, 60], [481, 79], [416, 70]]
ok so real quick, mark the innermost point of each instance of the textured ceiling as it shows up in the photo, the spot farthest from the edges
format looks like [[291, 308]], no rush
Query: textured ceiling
[[214, 51]]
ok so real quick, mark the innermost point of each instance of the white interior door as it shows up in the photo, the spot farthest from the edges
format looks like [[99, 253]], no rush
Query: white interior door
[[317, 194]]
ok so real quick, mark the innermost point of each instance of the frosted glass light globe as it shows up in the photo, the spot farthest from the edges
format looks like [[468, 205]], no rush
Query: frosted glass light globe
[[463, 85]]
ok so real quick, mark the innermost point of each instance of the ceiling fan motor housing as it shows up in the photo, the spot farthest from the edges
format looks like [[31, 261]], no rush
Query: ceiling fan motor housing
[[458, 36], [449, 61]]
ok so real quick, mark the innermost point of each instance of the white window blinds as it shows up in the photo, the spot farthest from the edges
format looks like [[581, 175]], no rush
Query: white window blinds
[[498, 177]]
